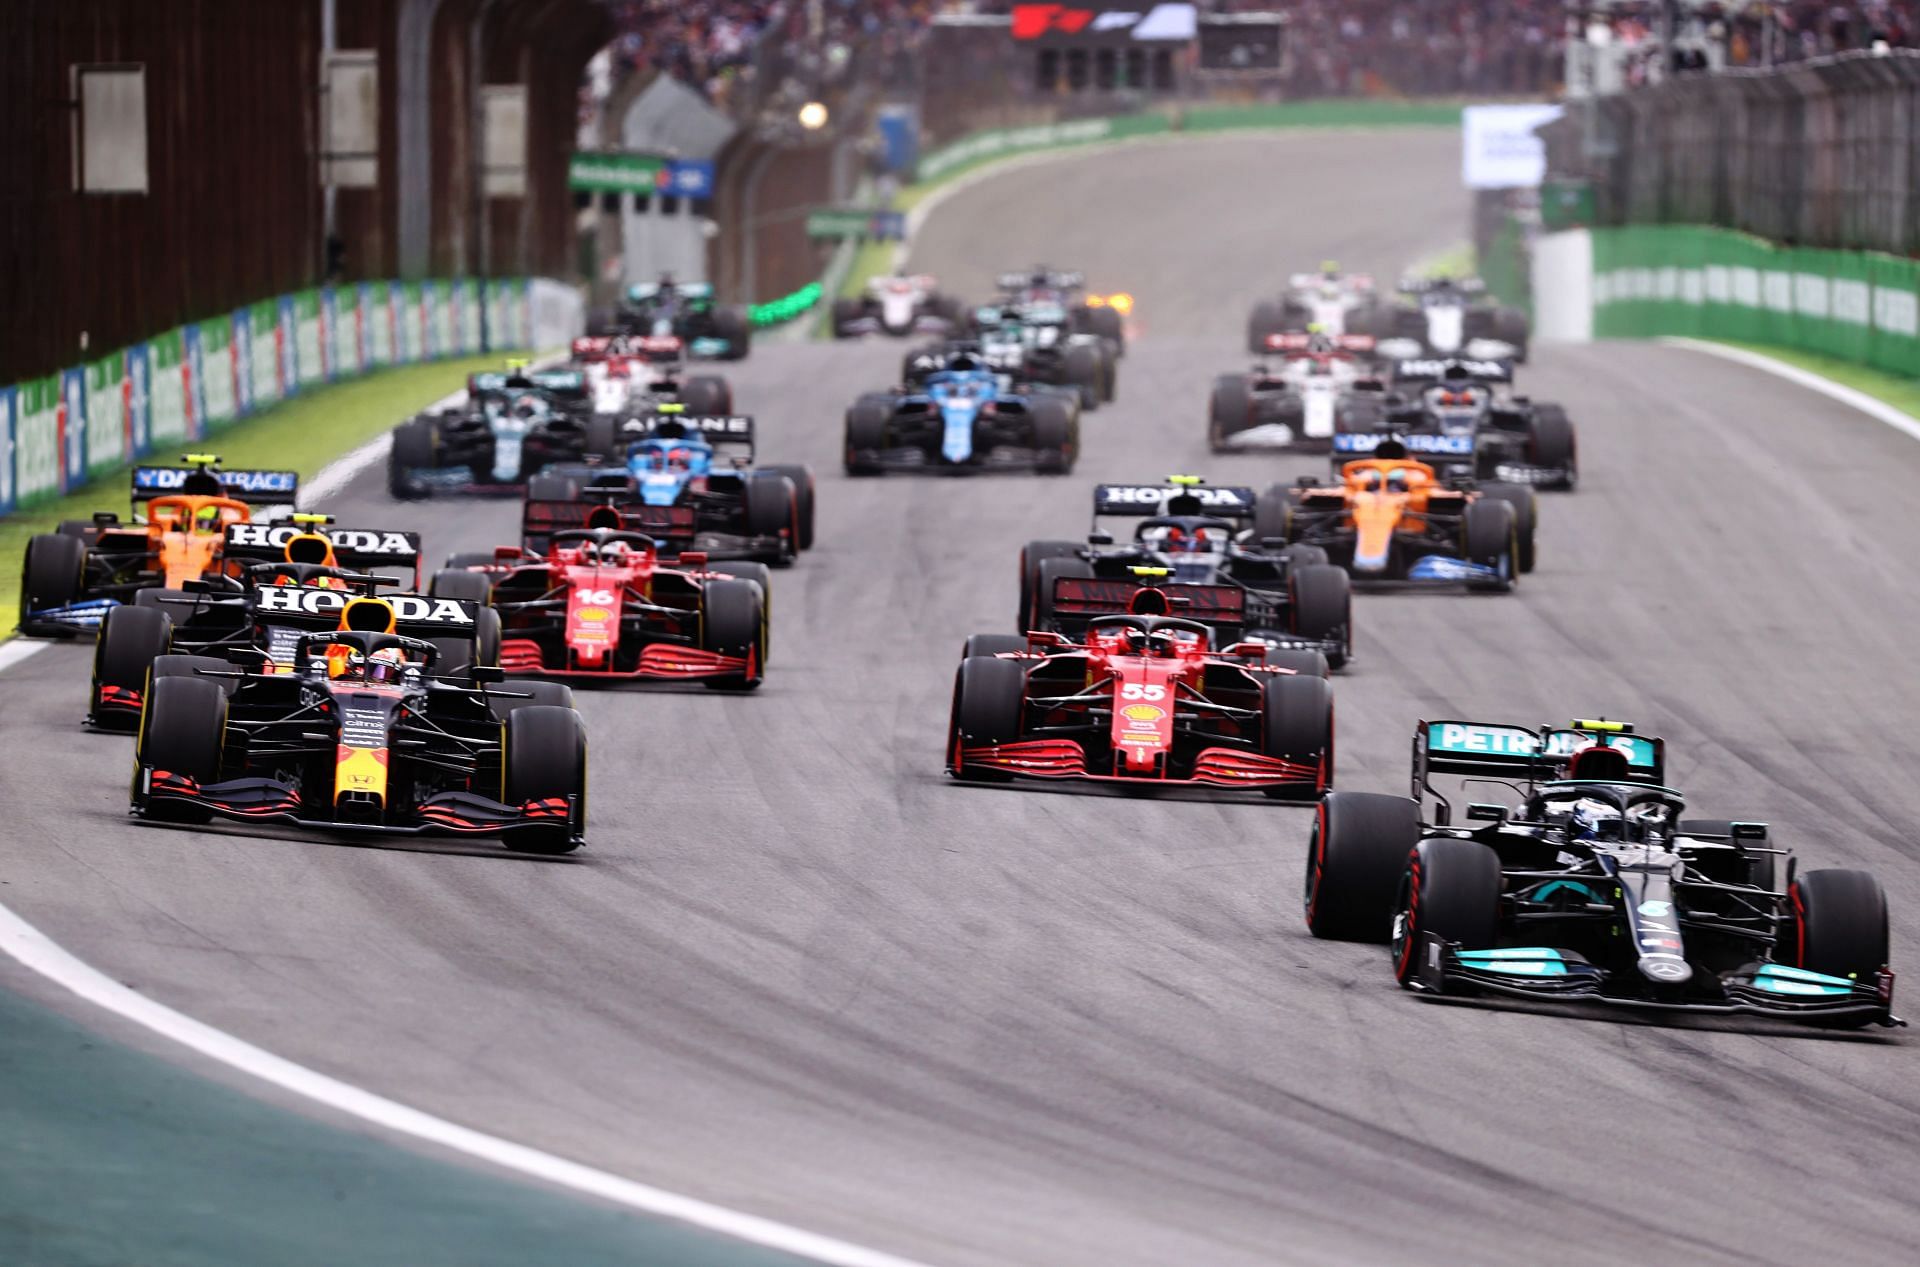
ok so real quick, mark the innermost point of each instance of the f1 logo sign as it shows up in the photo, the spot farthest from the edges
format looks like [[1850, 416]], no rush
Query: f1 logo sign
[[1031, 21]]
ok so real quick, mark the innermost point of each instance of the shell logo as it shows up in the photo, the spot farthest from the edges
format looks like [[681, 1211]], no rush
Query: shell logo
[[591, 615], [1142, 713]]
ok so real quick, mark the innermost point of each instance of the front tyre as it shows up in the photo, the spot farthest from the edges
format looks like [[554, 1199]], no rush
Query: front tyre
[[1451, 889], [1355, 857], [1296, 725], [544, 760], [988, 698]]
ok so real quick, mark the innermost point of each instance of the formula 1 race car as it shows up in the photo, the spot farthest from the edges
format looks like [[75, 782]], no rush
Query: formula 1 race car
[[177, 531], [1449, 316], [1459, 416], [1593, 886], [669, 485], [510, 427], [1322, 379], [1086, 312], [1331, 301], [259, 609], [1192, 545], [1393, 519], [1034, 343], [687, 311], [1144, 699], [898, 305], [961, 418], [628, 374], [598, 605], [360, 736]]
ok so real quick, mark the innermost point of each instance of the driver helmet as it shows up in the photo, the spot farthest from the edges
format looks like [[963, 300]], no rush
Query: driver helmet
[[347, 663], [1179, 541], [1594, 820], [614, 553], [1397, 481], [206, 520], [385, 665], [525, 407], [1370, 481]]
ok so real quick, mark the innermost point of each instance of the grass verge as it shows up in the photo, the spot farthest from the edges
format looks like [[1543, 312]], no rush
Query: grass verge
[[302, 434], [1900, 391]]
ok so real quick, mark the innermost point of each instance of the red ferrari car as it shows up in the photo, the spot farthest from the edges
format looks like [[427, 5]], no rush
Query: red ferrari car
[[598, 606], [1143, 699]]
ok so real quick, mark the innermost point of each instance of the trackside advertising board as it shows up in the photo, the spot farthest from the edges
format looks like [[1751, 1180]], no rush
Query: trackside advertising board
[[1717, 284], [187, 383]]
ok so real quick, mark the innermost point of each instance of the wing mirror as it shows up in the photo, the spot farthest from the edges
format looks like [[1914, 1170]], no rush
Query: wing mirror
[[1481, 812], [486, 674], [1099, 538], [1749, 831]]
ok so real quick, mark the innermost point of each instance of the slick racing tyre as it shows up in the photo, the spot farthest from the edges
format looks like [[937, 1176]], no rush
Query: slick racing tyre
[[1320, 607], [1487, 537], [1551, 442], [866, 433], [1296, 724], [1301, 661], [733, 622], [1355, 856], [459, 656], [988, 644], [845, 313], [53, 573], [130, 638], [1451, 888], [1229, 409], [1056, 436], [707, 394], [802, 478], [544, 758], [602, 440], [759, 574], [1836, 924], [194, 666], [771, 507], [1083, 372], [416, 445], [1510, 326], [732, 325], [1032, 555], [182, 731], [468, 587], [988, 698], [1526, 506], [1273, 515], [1268, 317]]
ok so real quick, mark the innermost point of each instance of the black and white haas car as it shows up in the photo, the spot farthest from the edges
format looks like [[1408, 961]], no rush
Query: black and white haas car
[[1451, 316]]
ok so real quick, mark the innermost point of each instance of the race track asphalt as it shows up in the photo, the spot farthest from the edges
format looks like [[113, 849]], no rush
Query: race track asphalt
[[801, 973]]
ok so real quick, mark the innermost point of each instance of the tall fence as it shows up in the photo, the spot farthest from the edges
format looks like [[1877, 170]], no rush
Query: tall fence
[[1823, 153], [59, 431]]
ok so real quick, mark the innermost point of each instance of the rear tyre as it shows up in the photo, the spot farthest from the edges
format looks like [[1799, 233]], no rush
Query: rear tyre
[[759, 574], [988, 697], [732, 325], [415, 448], [182, 731], [1296, 724], [1083, 373], [1355, 857], [734, 623], [802, 478], [1321, 608], [1229, 409], [1032, 555], [468, 587], [772, 509], [707, 394], [1273, 514], [130, 638], [866, 433], [1487, 537], [845, 313], [1268, 317], [1526, 505], [1551, 441], [1451, 889], [53, 574], [544, 758], [1056, 440], [1836, 924]]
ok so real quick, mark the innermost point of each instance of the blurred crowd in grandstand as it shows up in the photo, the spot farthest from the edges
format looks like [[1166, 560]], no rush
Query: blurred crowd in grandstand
[[1337, 47]]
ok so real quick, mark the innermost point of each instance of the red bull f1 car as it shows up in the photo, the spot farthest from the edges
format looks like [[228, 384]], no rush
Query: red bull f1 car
[[358, 735], [1591, 884], [1144, 700]]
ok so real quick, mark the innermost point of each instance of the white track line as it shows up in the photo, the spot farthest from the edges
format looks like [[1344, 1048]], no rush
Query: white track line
[[37, 951], [1869, 405]]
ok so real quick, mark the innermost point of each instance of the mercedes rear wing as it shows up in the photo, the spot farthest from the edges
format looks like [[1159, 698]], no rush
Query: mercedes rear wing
[[1507, 753]]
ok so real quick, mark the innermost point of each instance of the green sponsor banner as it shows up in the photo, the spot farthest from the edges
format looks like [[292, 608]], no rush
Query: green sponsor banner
[[36, 441], [310, 362], [616, 173], [376, 314], [999, 142], [106, 419], [1713, 283], [442, 327], [216, 370], [168, 388], [410, 343], [264, 354]]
